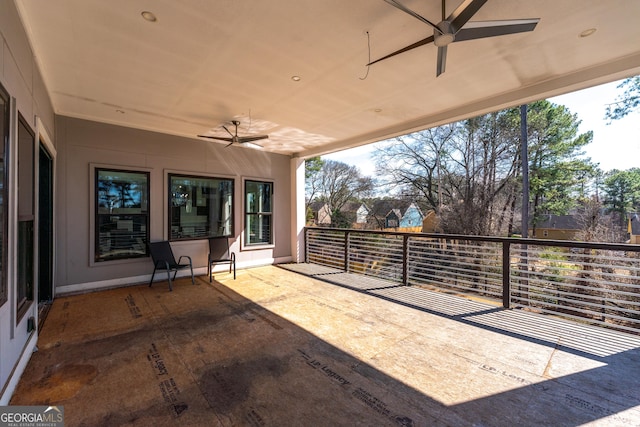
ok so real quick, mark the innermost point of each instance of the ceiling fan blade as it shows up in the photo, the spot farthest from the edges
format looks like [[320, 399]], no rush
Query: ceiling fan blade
[[219, 138], [405, 9], [463, 13], [244, 139], [404, 49], [253, 145], [483, 29], [442, 60], [228, 131]]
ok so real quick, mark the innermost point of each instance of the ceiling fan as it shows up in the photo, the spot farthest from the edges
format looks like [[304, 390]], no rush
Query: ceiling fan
[[234, 138], [456, 28]]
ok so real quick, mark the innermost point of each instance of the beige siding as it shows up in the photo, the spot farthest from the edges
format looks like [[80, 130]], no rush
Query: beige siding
[[20, 76], [84, 143]]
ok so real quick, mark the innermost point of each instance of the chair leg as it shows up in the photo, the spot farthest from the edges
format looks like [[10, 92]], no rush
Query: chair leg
[[234, 269], [210, 273], [193, 280], [169, 278], [153, 274]]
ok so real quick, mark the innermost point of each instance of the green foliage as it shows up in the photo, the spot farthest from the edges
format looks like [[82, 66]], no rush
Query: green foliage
[[622, 191], [557, 174], [627, 102], [339, 219], [312, 166]]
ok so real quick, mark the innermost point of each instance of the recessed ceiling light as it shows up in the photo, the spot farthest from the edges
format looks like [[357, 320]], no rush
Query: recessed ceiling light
[[295, 78], [149, 16], [588, 32]]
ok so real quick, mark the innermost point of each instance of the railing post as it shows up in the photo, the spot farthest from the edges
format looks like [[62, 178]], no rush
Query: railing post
[[405, 260], [346, 251], [306, 245], [506, 275]]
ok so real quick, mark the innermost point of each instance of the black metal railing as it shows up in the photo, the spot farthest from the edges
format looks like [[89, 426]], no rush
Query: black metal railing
[[596, 283]]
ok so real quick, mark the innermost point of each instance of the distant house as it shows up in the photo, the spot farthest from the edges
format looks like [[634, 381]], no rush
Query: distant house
[[396, 214], [411, 217], [431, 223], [633, 228], [392, 220], [355, 213], [362, 214], [378, 213], [556, 227], [320, 214]]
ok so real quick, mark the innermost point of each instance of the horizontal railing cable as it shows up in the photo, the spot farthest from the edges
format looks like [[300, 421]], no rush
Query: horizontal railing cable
[[595, 283]]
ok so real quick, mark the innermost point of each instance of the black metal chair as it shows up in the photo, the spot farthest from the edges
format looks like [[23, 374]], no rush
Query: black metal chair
[[219, 253], [163, 259]]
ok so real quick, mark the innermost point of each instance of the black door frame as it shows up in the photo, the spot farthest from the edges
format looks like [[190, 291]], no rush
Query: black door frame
[[45, 224]]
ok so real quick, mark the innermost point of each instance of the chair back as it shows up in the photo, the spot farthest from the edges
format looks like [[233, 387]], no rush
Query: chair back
[[161, 251], [218, 248]]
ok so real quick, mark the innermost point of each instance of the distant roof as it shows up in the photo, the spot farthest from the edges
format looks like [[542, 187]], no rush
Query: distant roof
[[351, 207], [381, 208], [558, 222], [316, 206]]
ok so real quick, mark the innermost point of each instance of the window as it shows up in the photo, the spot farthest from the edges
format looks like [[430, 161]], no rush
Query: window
[[25, 279], [122, 214], [200, 207], [258, 213], [4, 144]]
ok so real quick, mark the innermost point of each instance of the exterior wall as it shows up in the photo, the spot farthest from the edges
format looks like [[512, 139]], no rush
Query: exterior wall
[[20, 76], [552, 234], [362, 214], [412, 217], [323, 215], [298, 212], [430, 223], [391, 220], [83, 144]]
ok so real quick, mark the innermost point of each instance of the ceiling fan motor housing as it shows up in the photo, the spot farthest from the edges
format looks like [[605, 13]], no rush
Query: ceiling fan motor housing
[[444, 34]]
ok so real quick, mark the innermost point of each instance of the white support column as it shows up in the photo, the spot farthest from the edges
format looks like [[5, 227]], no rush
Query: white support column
[[298, 214]]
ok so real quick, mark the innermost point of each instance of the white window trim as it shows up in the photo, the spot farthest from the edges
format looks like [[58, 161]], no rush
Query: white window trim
[[92, 212], [243, 245]]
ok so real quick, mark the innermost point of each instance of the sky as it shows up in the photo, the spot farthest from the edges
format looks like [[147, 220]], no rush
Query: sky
[[614, 146]]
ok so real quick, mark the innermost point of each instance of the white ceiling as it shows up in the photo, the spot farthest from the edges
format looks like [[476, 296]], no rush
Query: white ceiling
[[206, 62]]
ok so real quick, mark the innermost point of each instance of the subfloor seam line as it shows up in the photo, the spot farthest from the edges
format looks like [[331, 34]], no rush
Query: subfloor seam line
[[547, 368]]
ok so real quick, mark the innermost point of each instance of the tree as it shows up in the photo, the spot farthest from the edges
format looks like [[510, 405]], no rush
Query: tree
[[622, 192], [470, 172], [595, 226], [557, 173], [337, 183], [414, 164], [312, 168], [461, 171], [627, 102], [479, 175]]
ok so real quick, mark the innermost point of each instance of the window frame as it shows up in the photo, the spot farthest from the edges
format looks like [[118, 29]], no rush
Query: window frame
[[4, 194], [169, 204], [24, 297], [246, 235], [96, 259]]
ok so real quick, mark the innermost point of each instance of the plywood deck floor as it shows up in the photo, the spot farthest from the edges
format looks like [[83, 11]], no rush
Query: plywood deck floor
[[278, 348]]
